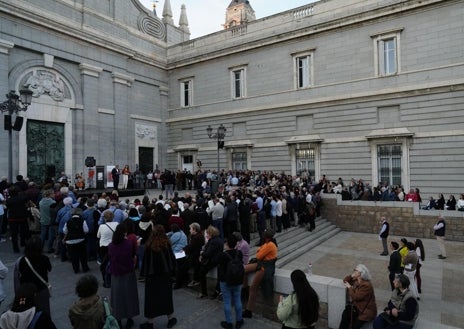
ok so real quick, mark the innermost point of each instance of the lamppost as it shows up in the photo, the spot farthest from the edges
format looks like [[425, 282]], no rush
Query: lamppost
[[219, 136], [13, 105]]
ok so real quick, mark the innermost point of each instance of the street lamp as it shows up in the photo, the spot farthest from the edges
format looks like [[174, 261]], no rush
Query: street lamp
[[219, 136], [13, 105]]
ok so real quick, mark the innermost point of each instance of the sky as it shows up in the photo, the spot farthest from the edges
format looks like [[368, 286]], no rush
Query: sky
[[207, 16]]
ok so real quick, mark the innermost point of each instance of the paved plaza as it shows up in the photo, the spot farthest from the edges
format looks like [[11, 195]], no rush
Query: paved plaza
[[441, 304]]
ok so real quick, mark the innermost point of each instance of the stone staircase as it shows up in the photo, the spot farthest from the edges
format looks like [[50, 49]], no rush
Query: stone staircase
[[296, 240]]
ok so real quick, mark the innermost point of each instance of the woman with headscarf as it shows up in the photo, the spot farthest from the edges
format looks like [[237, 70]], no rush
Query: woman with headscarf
[[361, 294]]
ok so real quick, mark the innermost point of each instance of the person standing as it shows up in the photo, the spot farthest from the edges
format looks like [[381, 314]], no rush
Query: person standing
[[74, 231], [125, 176], [300, 309], [33, 268], [410, 265], [115, 173], [17, 217], [124, 294], [105, 235], [231, 291], [394, 266], [47, 229], [420, 251], [158, 265], [440, 229], [383, 235], [403, 250]]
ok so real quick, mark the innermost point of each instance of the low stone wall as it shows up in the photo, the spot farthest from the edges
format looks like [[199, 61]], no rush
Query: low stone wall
[[405, 218], [331, 291]]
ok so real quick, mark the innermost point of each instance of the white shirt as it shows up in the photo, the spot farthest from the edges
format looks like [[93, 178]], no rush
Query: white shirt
[[105, 233]]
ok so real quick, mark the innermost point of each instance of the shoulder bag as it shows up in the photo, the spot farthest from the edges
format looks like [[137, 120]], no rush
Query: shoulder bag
[[47, 284]]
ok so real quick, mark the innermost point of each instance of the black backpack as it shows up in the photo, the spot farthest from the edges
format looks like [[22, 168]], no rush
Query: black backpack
[[235, 270]]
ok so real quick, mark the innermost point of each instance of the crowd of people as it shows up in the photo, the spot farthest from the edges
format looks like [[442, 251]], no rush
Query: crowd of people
[[167, 243], [174, 241]]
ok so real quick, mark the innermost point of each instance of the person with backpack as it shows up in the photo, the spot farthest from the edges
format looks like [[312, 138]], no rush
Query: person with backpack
[[23, 313], [230, 273]]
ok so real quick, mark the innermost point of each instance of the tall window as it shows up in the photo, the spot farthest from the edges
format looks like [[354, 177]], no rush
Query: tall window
[[239, 160], [303, 71], [303, 67], [305, 162], [389, 163], [238, 82], [186, 93], [387, 53]]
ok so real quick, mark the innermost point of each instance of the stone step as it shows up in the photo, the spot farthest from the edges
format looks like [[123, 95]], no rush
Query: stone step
[[296, 241]]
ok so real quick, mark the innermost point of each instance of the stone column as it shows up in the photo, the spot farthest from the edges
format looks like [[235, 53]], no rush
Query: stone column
[[163, 131], [5, 47], [124, 153], [88, 125]]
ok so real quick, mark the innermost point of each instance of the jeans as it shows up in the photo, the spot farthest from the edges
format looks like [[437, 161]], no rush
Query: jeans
[[169, 190], [231, 295], [48, 233], [217, 223]]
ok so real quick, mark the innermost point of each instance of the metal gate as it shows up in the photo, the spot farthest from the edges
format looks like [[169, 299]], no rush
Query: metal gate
[[45, 150]]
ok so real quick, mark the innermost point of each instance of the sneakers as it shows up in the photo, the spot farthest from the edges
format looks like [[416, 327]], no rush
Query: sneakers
[[384, 254], [441, 257], [171, 322], [239, 324], [201, 296], [193, 283]]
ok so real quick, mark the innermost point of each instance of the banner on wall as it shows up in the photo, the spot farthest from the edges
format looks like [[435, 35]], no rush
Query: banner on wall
[[109, 177]]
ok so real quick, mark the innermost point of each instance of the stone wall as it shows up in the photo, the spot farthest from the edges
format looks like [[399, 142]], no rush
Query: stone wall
[[405, 218]]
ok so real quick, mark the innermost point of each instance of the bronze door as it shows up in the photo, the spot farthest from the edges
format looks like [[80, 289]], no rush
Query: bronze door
[[45, 150]]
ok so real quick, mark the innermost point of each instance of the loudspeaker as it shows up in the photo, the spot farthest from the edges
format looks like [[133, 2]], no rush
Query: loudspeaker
[[90, 162], [7, 122], [18, 123]]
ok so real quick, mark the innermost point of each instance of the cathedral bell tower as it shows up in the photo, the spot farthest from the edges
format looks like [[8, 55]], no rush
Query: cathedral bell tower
[[238, 13]]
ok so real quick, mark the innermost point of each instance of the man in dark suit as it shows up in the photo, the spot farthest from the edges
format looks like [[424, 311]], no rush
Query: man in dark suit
[[115, 174], [394, 266]]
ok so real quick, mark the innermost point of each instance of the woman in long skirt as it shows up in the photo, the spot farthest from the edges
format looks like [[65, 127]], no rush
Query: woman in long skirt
[[158, 266], [124, 294]]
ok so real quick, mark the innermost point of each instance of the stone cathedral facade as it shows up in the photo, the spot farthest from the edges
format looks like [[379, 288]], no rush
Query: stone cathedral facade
[[364, 89]]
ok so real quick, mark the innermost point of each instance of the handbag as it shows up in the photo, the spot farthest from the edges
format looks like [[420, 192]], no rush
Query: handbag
[[110, 320], [48, 285], [391, 320]]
